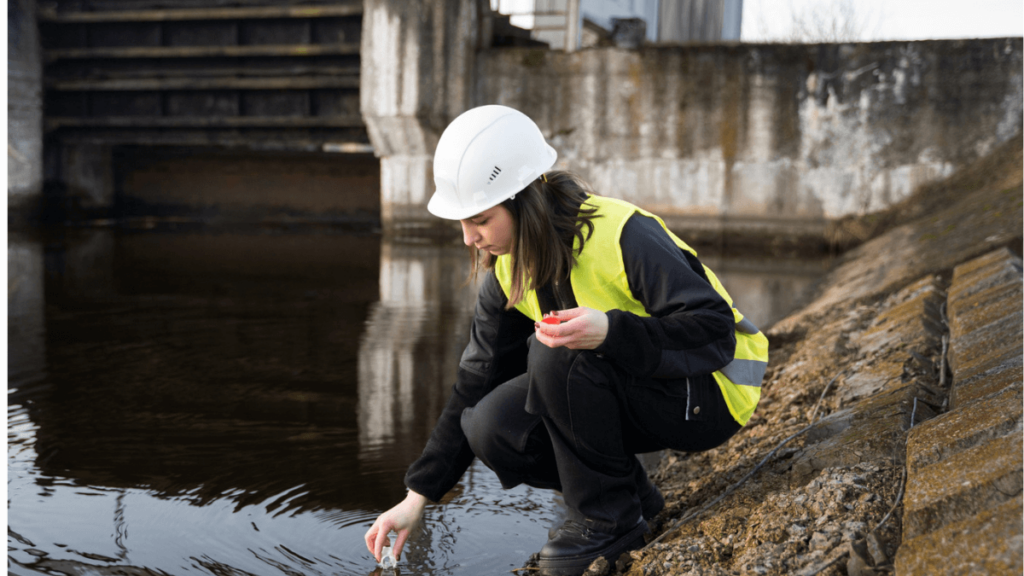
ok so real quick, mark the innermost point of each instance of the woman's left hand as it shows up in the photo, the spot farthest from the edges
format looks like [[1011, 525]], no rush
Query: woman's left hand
[[580, 329]]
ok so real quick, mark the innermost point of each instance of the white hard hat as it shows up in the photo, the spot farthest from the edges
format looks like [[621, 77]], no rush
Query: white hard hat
[[484, 157]]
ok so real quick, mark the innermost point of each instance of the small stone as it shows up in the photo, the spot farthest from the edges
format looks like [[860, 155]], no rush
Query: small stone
[[866, 497], [818, 541], [856, 566], [599, 567], [694, 548], [623, 563], [877, 550]]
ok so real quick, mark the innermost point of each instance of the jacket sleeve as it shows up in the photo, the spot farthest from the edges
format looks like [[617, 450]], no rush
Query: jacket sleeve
[[691, 329], [495, 354]]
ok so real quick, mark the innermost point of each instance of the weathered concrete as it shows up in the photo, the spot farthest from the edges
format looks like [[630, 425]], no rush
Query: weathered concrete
[[966, 469], [986, 383], [417, 66], [770, 138], [957, 430], [957, 487], [989, 543], [761, 132], [24, 111]]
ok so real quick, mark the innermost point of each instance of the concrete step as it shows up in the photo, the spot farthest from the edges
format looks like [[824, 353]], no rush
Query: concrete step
[[997, 267], [960, 430], [958, 487], [985, 314], [976, 310], [983, 384], [965, 468], [989, 542]]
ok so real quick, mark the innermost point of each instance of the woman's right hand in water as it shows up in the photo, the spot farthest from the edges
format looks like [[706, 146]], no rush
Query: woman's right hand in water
[[402, 518]]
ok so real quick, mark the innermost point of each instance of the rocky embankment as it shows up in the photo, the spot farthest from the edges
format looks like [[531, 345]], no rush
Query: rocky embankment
[[899, 391]]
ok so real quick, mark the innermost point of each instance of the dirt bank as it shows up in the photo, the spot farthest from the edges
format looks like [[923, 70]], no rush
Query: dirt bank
[[875, 331]]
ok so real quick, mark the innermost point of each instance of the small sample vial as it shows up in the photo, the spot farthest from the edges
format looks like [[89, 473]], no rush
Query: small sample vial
[[387, 558]]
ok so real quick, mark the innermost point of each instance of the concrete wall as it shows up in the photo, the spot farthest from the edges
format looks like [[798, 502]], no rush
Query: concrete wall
[[24, 109], [758, 133], [416, 70], [765, 138]]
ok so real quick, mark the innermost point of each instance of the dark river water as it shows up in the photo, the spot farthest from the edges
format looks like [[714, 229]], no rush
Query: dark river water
[[193, 402]]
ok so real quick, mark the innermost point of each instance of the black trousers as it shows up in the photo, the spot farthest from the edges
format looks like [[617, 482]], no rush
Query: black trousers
[[575, 422]]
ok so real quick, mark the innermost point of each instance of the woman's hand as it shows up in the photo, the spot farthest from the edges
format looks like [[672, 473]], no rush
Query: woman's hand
[[580, 329], [401, 518]]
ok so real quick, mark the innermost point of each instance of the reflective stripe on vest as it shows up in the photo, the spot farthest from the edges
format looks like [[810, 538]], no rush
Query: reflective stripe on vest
[[599, 281]]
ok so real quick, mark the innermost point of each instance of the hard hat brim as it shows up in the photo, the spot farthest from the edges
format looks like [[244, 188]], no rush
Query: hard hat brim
[[445, 208]]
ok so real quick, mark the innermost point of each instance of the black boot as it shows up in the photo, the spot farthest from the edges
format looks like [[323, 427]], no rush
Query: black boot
[[651, 500], [575, 546]]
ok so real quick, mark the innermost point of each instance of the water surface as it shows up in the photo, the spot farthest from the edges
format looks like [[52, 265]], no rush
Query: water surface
[[191, 402]]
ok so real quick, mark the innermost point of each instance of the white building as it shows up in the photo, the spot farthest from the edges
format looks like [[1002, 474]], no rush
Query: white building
[[624, 22]]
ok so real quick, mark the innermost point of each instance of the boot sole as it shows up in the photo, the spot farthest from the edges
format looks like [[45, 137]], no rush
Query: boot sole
[[577, 565]]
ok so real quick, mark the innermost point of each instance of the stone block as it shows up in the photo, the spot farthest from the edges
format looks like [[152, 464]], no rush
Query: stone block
[[957, 487], [873, 429], [913, 322], [982, 350], [982, 384], [987, 543], [906, 332], [985, 307], [955, 431], [995, 268]]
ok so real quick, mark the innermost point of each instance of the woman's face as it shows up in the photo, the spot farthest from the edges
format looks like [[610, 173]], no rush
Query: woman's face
[[490, 230]]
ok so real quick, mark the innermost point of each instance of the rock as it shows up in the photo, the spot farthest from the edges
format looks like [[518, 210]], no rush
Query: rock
[[877, 550], [623, 563], [599, 567], [856, 566], [818, 541]]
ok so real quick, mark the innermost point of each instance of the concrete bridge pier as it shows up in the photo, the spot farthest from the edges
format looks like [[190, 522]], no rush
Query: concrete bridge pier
[[24, 112], [417, 65]]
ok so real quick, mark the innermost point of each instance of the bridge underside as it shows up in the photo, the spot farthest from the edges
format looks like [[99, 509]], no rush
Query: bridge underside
[[249, 74], [157, 82]]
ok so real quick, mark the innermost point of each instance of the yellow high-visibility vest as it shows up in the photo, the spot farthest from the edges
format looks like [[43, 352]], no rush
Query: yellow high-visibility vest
[[599, 281]]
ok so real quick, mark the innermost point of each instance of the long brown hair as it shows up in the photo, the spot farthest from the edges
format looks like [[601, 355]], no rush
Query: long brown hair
[[547, 216]]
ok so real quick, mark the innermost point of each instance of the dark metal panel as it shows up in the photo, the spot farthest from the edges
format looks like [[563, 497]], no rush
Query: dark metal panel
[[275, 103], [125, 104], [274, 32], [200, 33], [202, 103]]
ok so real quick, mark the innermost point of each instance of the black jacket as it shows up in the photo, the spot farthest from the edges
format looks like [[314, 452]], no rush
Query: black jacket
[[690, 333]]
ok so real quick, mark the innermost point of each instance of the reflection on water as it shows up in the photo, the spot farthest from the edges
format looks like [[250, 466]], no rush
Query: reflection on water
[[184, 402]]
